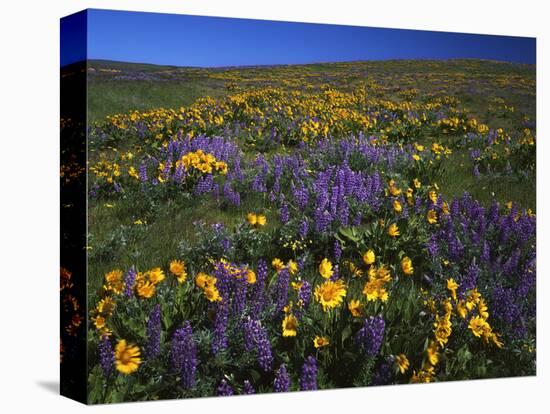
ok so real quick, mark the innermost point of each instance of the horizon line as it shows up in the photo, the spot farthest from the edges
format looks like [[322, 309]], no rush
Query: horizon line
[[252, 65]]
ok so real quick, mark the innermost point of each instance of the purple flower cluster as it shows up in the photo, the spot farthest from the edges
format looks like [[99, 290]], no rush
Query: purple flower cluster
[[308, 378], [335, 187], [281, 289], [282, 380], [224, 389], [493, 245], [231, 195], [256, 338], [219, 339], [248, 389], [152, 348], [129, 281], [184, 355], [258, 294], [205, 184], [106, 355], [369, 337]]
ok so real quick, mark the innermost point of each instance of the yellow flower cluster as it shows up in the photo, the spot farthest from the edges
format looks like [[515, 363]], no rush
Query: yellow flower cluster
[[105, 170], [146, 282], [208, 285], [256, 220], [375, 287], [201, 161]]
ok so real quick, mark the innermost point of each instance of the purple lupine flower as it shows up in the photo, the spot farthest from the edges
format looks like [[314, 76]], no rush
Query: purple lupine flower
[[204, 185], [284, 214], [337, 251], [231, 195], [152, 348], [432, 246], [282, 380], [469, 280], [258, 184], [184, 355], [281, 290], [304, 295], [240, 289], [219, 339], [258, 295], [308, 379], [301, 195], [129, 281], [475, 171], [225, 244], [106, 355], [370, 336], [505, 308], [485, 252], [248, 388], [224, 389], [511, 265], [382, 375], [143, 172], [256, 337], [303, 229]]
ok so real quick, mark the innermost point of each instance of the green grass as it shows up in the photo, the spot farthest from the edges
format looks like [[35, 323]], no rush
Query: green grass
[[112, 97], [457, 178]]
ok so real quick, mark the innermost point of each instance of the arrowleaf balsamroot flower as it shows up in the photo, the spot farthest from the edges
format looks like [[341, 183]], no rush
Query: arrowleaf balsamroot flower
[[320, 341], [402, 363], [325, 268], [155, 275], [432, 217], [290, 325], [250, 276], [256, 220], [292, 267], [397, 206], [393, 230], [277, 264], [432, 353], [261, 220], [252, 219], [177, 268], [127, 357], [145, 289], [406, 266], [369, 257], [114, 281], [354, 306], [330, 294], [452, 286]]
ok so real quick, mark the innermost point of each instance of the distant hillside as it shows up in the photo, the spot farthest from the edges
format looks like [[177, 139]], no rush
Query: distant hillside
[[116, 87]]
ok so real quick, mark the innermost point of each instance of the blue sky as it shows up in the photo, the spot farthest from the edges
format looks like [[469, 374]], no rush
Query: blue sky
[[208, 41]]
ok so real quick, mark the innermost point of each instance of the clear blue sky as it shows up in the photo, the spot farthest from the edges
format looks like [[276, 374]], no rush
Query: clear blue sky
[[208, 41]]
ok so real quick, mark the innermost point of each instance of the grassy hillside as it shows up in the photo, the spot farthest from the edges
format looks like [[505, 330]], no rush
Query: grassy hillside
[[484, 90]]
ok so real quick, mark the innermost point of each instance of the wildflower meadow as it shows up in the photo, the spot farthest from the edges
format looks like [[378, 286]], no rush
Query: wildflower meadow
[[307, 227]]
